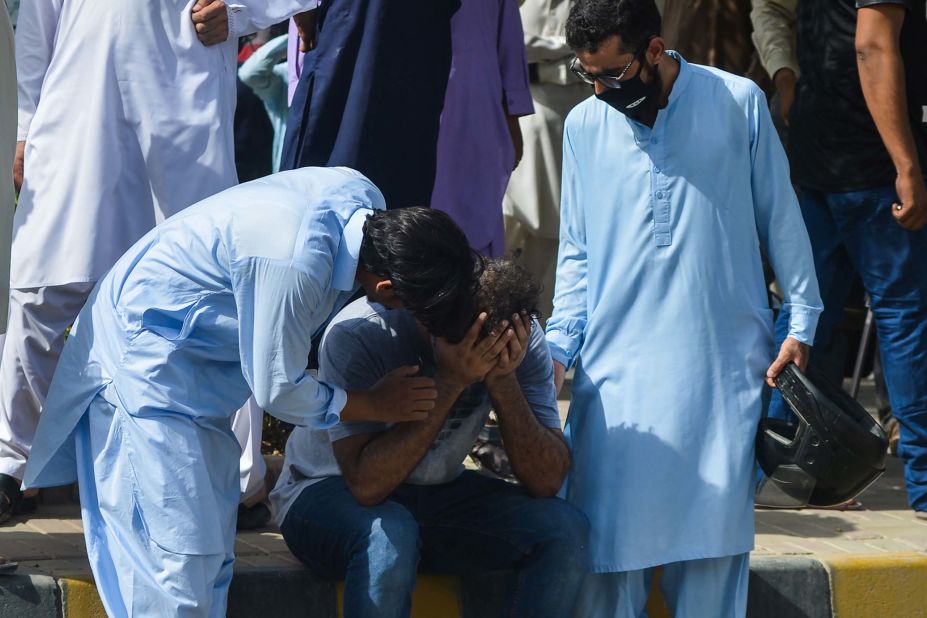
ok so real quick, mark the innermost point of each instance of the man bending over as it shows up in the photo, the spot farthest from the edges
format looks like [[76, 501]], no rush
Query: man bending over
[[372, 503]]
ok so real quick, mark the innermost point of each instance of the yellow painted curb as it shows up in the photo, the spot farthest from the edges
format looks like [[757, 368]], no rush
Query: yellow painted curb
[[435, 596], [79, 598], [873, 586]]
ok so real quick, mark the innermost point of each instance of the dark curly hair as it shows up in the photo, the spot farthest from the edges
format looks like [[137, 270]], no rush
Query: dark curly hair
[[506, 288], [591, 22], [428, 259]]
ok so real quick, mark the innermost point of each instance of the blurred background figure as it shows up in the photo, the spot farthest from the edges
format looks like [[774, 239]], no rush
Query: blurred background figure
[[479, 141], [254, 134], [852, 78], [260, 116], [7, 199], [715, 33], [532, 200], [370, 93], [12, 7], [7, 152], [151, 135]]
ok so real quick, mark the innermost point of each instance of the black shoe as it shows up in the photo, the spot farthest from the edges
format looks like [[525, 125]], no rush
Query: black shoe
[[11, 499], [252, 518]]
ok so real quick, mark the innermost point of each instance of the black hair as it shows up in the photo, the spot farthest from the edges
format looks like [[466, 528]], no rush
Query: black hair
[[427, 258], [506, 288], [591, 22]]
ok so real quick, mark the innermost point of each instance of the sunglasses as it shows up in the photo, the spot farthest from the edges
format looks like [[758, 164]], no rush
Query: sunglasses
[[608, 80]]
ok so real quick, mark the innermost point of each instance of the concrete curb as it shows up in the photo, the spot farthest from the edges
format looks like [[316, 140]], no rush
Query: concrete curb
[[780, 587], [28, 595], [890, 585], [783, 587]]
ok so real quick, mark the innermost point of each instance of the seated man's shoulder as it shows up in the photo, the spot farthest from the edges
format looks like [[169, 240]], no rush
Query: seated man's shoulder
[[366, 319]]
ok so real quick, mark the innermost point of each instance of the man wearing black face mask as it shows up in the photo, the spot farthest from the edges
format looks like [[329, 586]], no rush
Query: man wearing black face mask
[[673, 181]]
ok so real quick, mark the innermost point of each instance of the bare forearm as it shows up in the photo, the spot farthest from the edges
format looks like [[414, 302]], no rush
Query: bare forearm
[[539, 455], [375, 467], [881, 74]]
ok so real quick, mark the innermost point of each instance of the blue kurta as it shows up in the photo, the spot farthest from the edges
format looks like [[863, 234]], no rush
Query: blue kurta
[[660, 301], [217, 302], [370, 94]]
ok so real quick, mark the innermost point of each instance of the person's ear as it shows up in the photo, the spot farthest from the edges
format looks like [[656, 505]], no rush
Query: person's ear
[[385, 287], [655, 50]]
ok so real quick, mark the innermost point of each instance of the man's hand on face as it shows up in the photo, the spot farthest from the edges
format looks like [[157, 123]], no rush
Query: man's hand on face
[[211, 20], [462, 364], [514, 352], [911, 209], [792, 351], [400, 396]]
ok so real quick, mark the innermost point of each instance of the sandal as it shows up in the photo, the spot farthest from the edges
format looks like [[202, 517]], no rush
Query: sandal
[[6, 566]]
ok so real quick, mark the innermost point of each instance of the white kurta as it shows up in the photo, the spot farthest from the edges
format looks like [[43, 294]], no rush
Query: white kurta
[[7, 149], [132, 122]]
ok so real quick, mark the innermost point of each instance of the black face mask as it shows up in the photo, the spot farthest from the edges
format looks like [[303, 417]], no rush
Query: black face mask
[[636, 98]]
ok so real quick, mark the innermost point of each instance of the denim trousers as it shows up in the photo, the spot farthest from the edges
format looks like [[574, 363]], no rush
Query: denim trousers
[[856, 233], [470, 525]]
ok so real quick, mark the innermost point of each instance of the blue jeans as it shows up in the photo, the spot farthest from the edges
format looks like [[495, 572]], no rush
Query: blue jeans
[[856, 233], [472, 524]]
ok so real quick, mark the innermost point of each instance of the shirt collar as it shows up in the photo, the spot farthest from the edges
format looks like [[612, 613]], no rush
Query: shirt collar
[[344, 269], [682, 80]]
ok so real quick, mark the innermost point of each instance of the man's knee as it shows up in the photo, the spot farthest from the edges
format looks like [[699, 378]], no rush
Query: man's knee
[[565, 526], [392, 543]]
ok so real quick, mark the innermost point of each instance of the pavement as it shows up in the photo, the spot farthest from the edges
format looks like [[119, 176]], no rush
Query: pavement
[[867, 563]]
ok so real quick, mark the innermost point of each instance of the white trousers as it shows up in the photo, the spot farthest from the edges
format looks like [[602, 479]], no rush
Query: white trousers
[[38, 319], [715, 587]]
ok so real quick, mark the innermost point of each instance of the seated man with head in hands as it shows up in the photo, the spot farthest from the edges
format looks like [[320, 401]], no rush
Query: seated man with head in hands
[[372, 503]]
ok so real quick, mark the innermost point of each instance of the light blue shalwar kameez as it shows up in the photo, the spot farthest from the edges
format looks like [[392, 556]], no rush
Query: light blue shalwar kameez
[[661, 304], [216, 302]]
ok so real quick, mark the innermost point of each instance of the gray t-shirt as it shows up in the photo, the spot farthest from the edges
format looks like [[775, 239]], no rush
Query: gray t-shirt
[[363, 343]]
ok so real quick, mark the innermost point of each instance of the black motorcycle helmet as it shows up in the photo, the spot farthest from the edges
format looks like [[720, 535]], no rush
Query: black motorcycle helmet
[[834, 451]]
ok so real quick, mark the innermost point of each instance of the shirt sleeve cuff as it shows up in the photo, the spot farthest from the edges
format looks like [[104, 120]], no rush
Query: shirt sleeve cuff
[[333, 415], [518, 102], [236, 22], [562, 348], [781, 60], [24, 119], [803, 322]]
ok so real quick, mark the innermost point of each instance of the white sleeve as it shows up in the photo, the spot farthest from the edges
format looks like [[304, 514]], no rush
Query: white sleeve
[[36, 30], [253, 15]]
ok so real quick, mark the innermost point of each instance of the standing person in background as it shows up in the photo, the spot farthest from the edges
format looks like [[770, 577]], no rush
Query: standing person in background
[[371, 91], [480, 142], [153, 135], [265, 72], [661, 305], [714, 33], [855, 104], [7, 152], [532, 200]]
